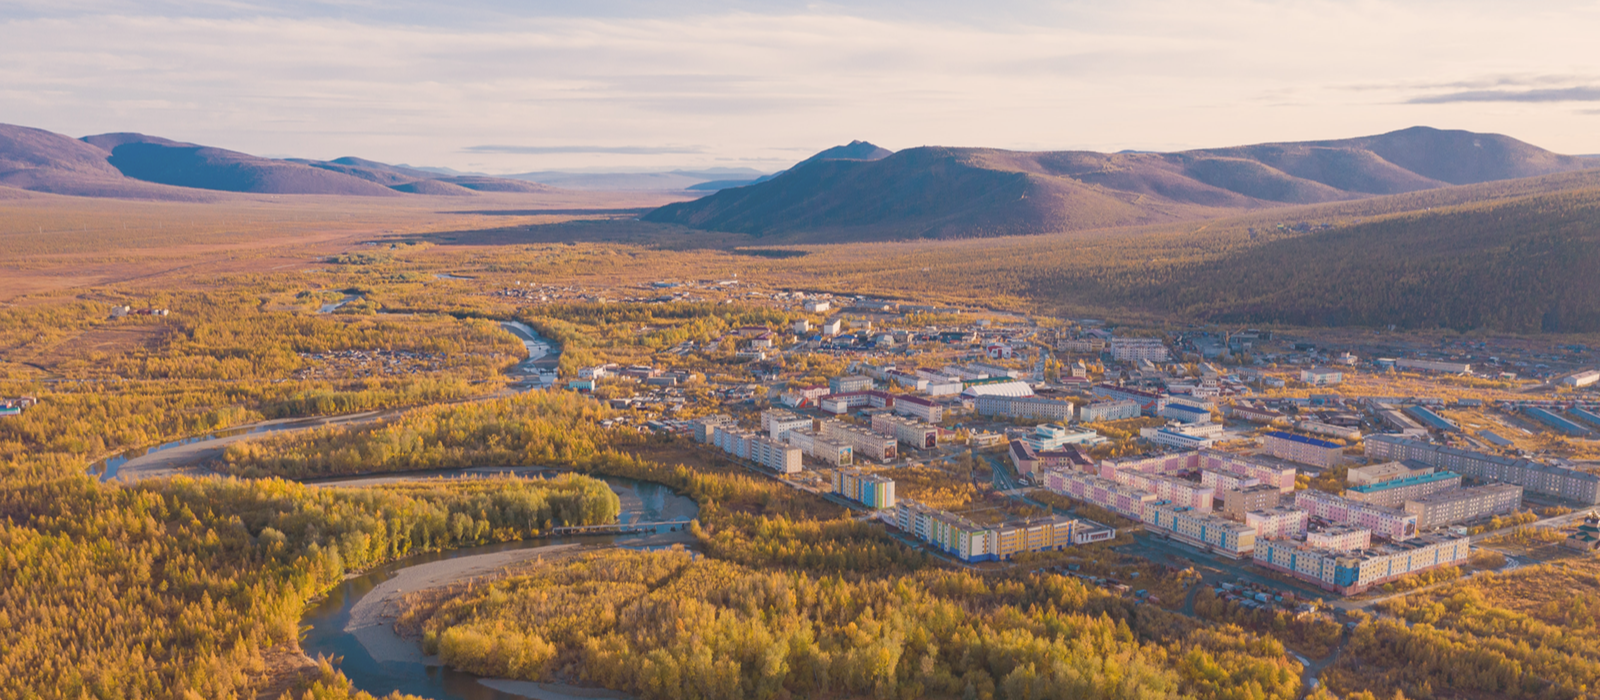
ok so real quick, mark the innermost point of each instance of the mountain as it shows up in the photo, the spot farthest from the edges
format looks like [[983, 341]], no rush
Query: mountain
[[855, 150], [138, 166], [938, 192], [667, 180]]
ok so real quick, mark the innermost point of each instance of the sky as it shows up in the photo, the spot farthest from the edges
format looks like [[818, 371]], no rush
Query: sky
[[507, 86]]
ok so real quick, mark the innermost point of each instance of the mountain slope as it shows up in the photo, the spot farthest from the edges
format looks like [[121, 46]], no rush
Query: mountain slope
[[138, 166], [167, 162], [968, 192]]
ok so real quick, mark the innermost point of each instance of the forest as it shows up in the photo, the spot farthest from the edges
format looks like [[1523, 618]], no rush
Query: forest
[[175, 588], [676, 625]]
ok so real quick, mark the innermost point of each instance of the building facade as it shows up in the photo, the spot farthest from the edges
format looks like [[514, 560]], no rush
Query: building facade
[[873, 490], [1395, 492], [1532, 476], [1464, 505], [1298, 448], [1388, 523], [1026, 407], [1101, 411]]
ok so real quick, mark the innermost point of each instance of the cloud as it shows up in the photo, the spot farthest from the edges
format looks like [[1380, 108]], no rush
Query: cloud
[[1571, 94], [617, 150]]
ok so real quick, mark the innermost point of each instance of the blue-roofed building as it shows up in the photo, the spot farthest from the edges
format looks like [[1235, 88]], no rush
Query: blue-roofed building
[[1557, 421], [1586, 416], [1302, 449], [1184, 413], [1432, 420], [1395, 492], [1495, 439]]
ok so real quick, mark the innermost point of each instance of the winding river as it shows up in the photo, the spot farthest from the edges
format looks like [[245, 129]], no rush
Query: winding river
[[347, 624]]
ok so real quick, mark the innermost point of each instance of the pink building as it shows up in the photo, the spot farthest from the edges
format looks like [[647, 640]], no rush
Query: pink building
[[1278, 523], [1180, 492], [1384, 522]]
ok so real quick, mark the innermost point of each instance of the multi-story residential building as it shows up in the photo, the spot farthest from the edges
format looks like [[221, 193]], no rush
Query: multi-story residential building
[[863, 443], [778, 456], [1028, 407], [703, 427], [1339, 538], [777, 423], [1225, 481], [733, 441], [1388, 523], [907, 380], [1181, 492], [914, 433], [1101, 411], [1321, 376], [918, 407], [1136, 349], [1298, 448], [1395, 492], [1070, 458], [1348, 573], [1204, 530], [1278, 475], [1464, 505], [971, 542], [839, 404], [1185, 413], [1385, 471], [1236, 503], [848, 384], [835, 453], [874, 490], [1532, 476], [1117, 498], [817, 306], [1149, 402], [1278, 523]]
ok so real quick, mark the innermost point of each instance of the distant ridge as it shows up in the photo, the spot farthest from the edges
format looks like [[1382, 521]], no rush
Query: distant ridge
[[939, 192], [139, 166]]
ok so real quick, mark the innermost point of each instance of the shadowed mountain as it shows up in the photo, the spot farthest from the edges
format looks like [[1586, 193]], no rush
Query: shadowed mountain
[[138, 166], [971, 192]]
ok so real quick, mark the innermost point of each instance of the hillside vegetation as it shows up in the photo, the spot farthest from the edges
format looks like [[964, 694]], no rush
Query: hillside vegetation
[[938, 192]]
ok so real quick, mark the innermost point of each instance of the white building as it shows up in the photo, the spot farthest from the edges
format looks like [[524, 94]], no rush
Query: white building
[[1136, 349]]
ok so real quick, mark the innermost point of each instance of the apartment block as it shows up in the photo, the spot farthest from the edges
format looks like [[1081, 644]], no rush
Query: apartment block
[[1395, 492], [971, 542], [914, 433], [1115, 497], [835, 453], [1182, 492], [1225, 481], [778, 456], [1101, 411], [1149, 402], [1386, 471], [1278, 523], [702, 428], [1464, 505], [1026, 407], [1136, 349], [1339, 538], [874, 490], [777, 423], [1207, 531], [863, 443], [1388, 523], [1532, 476], [1235, 503], [918, 407], [848, 384], [1298, 448], [1348, 573]]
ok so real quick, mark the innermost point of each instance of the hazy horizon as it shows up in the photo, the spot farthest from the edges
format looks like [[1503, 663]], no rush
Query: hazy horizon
[[501, 87]]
